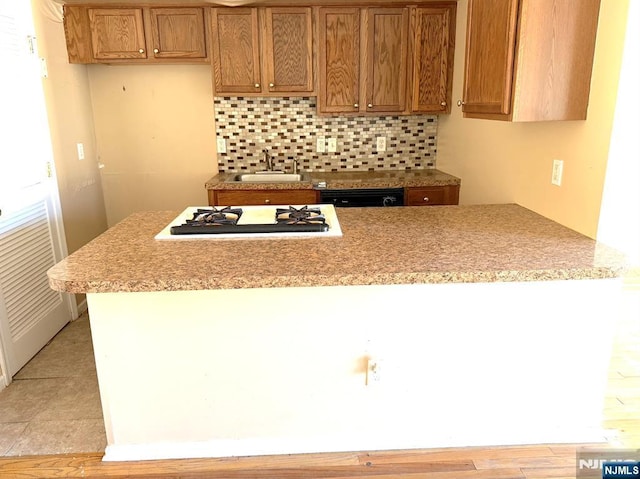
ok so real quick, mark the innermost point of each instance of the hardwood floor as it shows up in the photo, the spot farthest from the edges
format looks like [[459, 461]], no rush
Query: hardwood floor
[[621, 417]]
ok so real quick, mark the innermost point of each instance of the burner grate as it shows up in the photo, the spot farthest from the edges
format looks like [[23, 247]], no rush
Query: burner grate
[[295, 216], [214, 216]]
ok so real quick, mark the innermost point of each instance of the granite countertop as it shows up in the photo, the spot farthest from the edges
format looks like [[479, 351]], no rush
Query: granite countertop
[[343, 179], [403, 245]]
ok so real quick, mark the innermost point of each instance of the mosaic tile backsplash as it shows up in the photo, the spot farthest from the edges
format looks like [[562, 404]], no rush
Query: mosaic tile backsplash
[[289, 127]]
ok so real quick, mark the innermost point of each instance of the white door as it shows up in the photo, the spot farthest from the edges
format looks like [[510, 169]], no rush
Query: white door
[[31, 234]]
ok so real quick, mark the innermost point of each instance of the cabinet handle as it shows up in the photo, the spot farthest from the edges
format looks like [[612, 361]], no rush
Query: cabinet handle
[[141, 50], [271, 85], [257, 85], [155, 50], [443, 103], [355, 105], [369, 105], [425, 199], [267, 201]]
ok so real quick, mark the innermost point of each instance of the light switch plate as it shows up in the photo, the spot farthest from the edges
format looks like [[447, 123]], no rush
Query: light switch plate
[[332, 145], [221, 144]]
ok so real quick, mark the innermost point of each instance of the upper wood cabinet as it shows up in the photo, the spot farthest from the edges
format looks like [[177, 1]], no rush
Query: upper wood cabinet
[[387, 46], [117, 33], [363, 60], [135, 34], [262, 51], [236, 50], [339, 57], [395, 60], [178, 32], [529, 60], [288, 49], [433, 34]]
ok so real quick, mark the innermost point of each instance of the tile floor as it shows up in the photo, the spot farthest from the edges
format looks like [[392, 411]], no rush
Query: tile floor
[[53, 405]]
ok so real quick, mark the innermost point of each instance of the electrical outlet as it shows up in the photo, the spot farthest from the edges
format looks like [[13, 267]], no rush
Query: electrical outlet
[[320, 144], [332, 145], [80, 148], [556, 173], [381, 143], [222, 145]]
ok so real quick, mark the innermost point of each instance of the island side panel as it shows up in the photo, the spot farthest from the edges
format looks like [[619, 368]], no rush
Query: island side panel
[[277, 371]]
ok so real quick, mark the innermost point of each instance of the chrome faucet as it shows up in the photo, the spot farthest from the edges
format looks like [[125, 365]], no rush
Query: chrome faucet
[[268, 160]]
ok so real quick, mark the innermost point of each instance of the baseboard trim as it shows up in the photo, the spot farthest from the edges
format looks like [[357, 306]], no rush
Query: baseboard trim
[[277, 446], [3, 382], [82, 307]]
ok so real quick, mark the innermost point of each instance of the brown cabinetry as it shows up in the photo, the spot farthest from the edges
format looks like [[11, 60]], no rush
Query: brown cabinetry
[[396, 60], [529, 60], [363, 59], [432, 54], [178, 32], [263, 50], [262, 197], [117, 35], [432, 195]]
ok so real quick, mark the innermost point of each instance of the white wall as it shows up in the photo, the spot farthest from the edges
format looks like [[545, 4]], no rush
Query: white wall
[[155, 135], [619, 223], [502, 162]]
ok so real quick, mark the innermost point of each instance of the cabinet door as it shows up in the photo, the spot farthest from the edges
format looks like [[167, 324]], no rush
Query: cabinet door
[[432, 195], [178, 33], [236, 50], [339, 56], [117, 33], [433, 38], [387, 31], [264, 197], [489, 62], [288, 43]]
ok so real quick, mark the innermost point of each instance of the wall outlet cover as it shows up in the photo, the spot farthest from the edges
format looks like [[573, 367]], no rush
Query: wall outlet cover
[[381, 143], [221, 145], [320, 144], [556, 173], [80, 148]]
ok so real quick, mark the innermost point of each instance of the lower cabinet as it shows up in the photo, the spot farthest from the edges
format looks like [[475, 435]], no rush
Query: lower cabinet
[[261, 197], [432, 195]]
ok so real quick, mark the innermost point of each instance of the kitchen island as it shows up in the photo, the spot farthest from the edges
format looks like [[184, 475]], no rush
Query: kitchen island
[[419, 327]]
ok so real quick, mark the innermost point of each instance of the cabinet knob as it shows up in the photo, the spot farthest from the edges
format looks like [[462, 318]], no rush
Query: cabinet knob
[[267, 201], [370, 105], [271, 85], [257, 85], [425, 199], [355, 105], [155, 50], [460, 103], [443, 103], [141, 50]]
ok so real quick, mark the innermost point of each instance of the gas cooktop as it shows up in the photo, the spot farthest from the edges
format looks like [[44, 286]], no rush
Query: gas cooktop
[[249, 222]]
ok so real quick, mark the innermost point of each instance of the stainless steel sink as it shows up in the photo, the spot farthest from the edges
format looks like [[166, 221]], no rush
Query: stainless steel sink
[[269, 177]]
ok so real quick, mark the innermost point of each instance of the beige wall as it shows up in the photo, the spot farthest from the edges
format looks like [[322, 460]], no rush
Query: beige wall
[[511, 162], [155, 136], [70, 115]]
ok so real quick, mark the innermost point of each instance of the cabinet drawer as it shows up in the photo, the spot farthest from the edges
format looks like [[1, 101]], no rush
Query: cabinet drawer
[[434, 195], [264, 197]]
